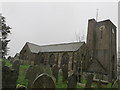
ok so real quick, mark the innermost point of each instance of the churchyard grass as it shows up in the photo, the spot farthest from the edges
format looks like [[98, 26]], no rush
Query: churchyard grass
[[59, 84], [21, 78]]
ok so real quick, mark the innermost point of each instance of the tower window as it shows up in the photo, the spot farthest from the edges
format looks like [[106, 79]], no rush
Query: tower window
[[113, 31]]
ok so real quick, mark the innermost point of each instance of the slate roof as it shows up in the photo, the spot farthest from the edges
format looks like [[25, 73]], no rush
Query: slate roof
[[55, 47]]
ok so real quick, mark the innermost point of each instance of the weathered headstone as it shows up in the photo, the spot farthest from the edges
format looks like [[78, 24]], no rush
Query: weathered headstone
[[115, 84], [72, 81], [28, 72], [43, 69], [55, 71], [30, 75], [3, 63], [89, 81], [79, 74], [16, 65], [43, 81], [14, 78], [9, 77], [5, 76], [65, 72]]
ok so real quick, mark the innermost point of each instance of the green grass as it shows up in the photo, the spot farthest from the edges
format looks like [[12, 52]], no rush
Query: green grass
[[109, 85], [59, 84], [21, 78]]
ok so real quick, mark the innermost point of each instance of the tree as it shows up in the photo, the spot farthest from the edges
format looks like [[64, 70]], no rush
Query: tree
[[5, 30]]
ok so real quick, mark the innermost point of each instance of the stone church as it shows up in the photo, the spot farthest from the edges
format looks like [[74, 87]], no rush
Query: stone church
[[97, 55], [64, 53]]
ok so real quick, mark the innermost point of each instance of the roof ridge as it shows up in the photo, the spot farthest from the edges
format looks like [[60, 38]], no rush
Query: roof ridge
[[55, 44], [33, 44]]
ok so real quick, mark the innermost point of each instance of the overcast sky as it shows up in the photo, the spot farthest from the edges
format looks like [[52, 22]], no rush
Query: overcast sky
[[53, 22]]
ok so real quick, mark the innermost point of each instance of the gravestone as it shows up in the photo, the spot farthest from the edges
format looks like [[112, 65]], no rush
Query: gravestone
[[65, 72], [14, 78], [16, 65], [9, 77], [43, 69], [30, 75], [5, 76], [79, 74], [72, 81], [3, 63], [55, 71], [89, 80], [28, 72], [43, 81], [115, 84]]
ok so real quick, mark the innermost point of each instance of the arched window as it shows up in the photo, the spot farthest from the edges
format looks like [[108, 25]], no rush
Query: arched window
[[51, 60], [65, 59], [42, 58]]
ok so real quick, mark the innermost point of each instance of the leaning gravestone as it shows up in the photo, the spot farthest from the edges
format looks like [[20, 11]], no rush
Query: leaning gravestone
[[16, 65], [89, 81], [115, 84], [65, 72], [43, 81], [55, 71], [72, 81]]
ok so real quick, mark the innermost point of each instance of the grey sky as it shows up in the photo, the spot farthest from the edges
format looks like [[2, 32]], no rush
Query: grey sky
[[52, 22]]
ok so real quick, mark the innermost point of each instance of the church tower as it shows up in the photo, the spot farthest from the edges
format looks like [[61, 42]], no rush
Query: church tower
[[101, 41]]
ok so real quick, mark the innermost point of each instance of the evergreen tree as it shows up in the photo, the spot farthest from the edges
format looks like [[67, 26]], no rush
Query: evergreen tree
[[5, 30]]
